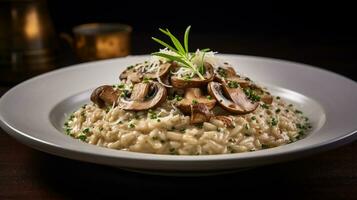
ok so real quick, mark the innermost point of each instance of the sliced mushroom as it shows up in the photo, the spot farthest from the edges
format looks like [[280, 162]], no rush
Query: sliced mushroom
[[194, 96], [200, 113], [104, 95], [227, 74], [195, 81], [266, 98], [137, 75], [144, 96], [237, 102]]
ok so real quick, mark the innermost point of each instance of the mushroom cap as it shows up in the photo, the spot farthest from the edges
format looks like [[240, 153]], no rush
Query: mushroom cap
[[194, 94], [194, 82], [237, 103], [136, 75], [144, 96], [104, 95]]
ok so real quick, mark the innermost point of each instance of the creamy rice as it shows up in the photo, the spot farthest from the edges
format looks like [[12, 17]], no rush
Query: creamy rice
[[165, 130]]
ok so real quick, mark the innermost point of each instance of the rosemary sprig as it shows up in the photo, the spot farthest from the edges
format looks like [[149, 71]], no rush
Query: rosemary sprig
[[182, 54]]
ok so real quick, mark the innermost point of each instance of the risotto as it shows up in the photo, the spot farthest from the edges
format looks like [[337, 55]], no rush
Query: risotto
[[184, 103]]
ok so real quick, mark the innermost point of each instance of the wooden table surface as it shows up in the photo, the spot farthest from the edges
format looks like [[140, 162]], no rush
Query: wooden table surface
[[28, 173]]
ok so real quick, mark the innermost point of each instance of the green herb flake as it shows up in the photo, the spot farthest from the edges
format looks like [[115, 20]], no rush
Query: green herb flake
[[277, 97], [130, 67], [222, 72], [274, 122], [251, 94], [152, 114], [253, 118], [209, 97], [264, 146], [71, 117], [264, 106], [146, 80], [158, 120], [82, 137], [277, 111], [68, 131], [178, 97], [86, 130], [233, 84], [290, 105], [131, 125], [194, 101]]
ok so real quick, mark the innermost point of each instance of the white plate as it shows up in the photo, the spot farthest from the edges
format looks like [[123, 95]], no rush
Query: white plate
[[33, 112]]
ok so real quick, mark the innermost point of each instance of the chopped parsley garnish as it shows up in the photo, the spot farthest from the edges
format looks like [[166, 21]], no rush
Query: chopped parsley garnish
[[277, 97], [101, 128], [131, 125], [71, 117], [82, 137], [183, 130], [125, 93], [222, 72], [155, 137], [86, 130], [84, 106], [68, 131], [286, 110], [253, 118], [290, 105], [194, 101], [251, 94], [264, 106], [158, 120], [274, 122], [178, 97], [152, 114], [146, 80], [130, 67], [277, 111], [209, 97], [233, 84]]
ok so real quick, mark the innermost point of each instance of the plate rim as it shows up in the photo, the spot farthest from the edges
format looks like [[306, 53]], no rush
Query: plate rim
[[43, 145]]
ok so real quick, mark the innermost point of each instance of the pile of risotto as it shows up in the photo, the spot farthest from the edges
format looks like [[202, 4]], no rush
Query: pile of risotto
[[184, 103]]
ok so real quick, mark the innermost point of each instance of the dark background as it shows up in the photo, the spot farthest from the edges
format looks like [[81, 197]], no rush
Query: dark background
[[317, 33]]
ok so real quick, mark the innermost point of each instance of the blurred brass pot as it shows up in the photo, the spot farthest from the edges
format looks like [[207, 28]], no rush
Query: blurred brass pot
[[97, 41], [28, 40]]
